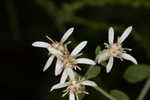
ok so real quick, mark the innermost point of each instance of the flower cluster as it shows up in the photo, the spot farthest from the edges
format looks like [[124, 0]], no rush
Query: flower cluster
[[67, 62]]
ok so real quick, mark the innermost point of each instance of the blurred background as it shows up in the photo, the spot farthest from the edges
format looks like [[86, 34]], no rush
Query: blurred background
[[24, 21]]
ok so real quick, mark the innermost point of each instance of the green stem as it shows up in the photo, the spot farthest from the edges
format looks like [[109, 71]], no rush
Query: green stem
[[144, 90], [105, 93]]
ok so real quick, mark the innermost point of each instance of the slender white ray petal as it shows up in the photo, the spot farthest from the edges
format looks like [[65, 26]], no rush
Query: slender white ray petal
[[59, 85], [41, 44], [109, 65], [70, 73], [48, 63], [64, 76], [111, 35], [58, 68], [85, 61], [71, 96], [67, 34], [89, 83], [129, 57], [78, 48], [125, 34], [54, 51], [103, 56]]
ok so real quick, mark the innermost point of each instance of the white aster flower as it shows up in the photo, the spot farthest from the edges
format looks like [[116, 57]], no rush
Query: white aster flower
[[74, 87], [56, 49], [115, 49], [70, 60]]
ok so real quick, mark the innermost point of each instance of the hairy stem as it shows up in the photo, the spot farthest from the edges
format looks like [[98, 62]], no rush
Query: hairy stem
[[144, 90]]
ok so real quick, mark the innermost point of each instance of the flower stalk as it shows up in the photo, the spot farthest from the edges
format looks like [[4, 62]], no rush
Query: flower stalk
[[144, 90], [105, 93]]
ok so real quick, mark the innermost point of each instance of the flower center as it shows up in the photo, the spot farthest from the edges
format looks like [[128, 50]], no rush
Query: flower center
[[59, 46], [75, 86], [69, 61], [115, 50]]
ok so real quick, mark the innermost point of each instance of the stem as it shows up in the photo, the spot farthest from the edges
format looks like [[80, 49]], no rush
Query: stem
[[144, 90], [105, 93]]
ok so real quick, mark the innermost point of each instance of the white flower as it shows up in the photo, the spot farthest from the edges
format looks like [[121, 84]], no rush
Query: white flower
[[55, 48], [115, 49], [74, 87], [69, 61]]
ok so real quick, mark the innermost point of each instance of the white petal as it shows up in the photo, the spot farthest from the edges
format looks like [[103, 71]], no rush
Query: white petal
[[89, 83], [129, 57], [48, 63], [41, 44], [71, 73], [67, 72], [71, 96], [64, 76], [67, 34], [78, 48], [125, 34], [54, 51], [59, 85], [111, 35], [85, 61], [58, 68], [103, 56], [109, 65]]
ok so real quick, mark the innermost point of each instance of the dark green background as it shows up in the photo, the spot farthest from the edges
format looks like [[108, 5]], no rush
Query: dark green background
[[24, 21]]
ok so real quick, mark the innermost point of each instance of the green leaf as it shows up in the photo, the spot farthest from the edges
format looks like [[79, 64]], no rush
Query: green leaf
[[81, 96], [97, 50], [103, 63], [137, 73], [119, 95], [92, 72]]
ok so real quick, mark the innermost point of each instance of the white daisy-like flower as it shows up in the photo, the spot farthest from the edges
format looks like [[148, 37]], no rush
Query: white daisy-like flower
[[56, 49], [74, 87], [70, 61], [115, 49]]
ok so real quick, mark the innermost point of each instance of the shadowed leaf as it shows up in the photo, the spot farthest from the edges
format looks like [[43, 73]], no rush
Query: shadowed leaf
[[137, 73], [119, 95]]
